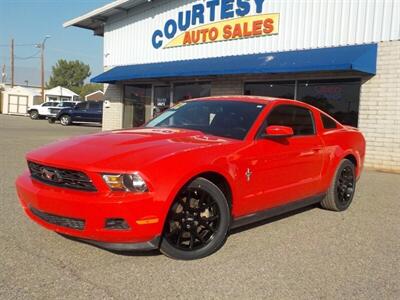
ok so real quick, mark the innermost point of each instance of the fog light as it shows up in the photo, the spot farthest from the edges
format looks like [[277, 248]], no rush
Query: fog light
[[116, 223]]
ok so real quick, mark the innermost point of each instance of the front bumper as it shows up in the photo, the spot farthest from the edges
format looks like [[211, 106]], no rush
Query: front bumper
[[145, 217]]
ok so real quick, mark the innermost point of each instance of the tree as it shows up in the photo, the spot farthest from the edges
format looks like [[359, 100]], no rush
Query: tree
[[90, 88], [69, 74]]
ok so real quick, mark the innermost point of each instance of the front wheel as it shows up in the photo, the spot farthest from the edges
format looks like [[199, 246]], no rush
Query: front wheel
[[65, 120], [197, 223], [341, 192]]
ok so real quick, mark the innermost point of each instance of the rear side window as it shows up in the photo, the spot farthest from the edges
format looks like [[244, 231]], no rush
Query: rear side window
[[50, 104], [327, 122], [300, 119]]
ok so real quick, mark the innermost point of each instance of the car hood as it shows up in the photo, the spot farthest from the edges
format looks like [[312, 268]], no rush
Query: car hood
[[115, 150]]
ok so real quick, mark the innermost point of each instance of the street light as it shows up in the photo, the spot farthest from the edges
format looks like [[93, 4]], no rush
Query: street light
[[41, 47]]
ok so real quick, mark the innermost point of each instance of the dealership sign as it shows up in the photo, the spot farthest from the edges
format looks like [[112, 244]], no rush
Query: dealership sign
[[198, 25]]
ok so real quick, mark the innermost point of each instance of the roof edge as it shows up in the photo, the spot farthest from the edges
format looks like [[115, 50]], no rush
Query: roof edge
[[94, 13]]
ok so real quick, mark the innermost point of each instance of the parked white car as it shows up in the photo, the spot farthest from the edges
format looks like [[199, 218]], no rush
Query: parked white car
[[48, 109], [41, 110]]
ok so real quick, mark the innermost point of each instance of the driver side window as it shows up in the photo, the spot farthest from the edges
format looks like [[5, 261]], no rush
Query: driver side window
[[300, 119], [81, 106]]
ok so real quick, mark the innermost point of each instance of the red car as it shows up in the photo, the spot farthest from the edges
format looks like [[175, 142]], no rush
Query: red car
[[180, 182]]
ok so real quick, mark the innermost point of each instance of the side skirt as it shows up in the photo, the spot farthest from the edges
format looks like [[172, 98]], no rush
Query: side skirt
[[275, 211]]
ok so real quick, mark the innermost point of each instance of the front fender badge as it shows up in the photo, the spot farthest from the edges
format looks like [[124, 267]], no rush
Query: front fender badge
[[248, 174]]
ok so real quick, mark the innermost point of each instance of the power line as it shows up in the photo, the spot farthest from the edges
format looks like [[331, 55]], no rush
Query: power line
[[18, 45], [28, 57]]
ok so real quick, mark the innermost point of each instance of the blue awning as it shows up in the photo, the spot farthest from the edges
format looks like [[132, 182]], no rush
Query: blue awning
[[360, 58]]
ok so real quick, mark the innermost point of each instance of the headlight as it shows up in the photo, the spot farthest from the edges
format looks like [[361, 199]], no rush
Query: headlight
[[125, 182]]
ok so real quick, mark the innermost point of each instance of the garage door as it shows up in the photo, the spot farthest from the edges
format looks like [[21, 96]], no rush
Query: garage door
[[17, 104]]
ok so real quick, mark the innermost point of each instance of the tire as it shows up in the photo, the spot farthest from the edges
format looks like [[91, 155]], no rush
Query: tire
[[34, 114], [65, 120], [197, 223], [342, 189]]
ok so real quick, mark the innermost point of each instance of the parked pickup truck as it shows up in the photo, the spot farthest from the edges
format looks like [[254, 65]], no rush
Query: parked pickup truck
[[87, 111], [53, 111]]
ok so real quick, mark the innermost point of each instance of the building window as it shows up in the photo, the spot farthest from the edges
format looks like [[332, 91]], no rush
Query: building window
[[339, 98], [278, 89], [136, 98], [185, 91], [162, 99]]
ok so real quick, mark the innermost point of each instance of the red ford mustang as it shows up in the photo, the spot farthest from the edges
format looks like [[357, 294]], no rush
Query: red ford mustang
[[184, 179]]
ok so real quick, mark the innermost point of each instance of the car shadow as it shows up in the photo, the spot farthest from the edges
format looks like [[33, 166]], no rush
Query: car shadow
[[272, 219], [231, 232], [124, 253], [87, 125]]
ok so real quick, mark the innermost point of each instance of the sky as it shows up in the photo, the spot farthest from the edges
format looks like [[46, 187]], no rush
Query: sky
[[29, 21]]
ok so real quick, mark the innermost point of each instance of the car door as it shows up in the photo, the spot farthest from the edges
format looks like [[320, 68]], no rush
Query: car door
[[276, 171], [44, 108], [80, 112], [95, 111]]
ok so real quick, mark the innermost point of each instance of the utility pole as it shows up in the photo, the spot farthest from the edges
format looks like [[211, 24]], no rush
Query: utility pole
[[12, 63], [42, 69], [3, 74], [41, 46]]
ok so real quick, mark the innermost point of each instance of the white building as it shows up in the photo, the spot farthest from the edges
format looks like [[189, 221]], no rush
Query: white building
[[60, 93], [16, 100], [340, 55]]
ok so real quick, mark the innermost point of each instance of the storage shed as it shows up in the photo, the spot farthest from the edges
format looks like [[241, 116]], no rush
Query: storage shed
[[17, 99]]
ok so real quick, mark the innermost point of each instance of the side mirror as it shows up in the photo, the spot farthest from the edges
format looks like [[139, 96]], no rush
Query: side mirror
[[276, 131]]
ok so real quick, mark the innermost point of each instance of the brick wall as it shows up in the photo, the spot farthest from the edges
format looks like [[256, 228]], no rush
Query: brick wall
[[113, 115], [379, 116]]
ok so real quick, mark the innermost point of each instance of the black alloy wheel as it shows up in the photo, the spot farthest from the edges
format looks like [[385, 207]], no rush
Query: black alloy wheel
[[341, 193], [345, 185], [197, 222]]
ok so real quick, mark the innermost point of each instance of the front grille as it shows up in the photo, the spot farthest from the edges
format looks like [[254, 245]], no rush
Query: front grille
[[61, 177], [77, 224]]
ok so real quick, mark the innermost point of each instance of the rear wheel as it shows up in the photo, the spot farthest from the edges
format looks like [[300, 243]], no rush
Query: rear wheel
[[341, 192], [34, 114], [197, 223], [65, 120]]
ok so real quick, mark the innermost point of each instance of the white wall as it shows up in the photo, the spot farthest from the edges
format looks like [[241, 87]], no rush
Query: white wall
[[304, 24], [379, 115]]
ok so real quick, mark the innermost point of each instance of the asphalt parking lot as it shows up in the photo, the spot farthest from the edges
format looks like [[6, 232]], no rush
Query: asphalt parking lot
[[310, 254]]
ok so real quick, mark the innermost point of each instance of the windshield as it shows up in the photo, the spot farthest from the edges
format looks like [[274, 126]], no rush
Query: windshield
[[231, 119]]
